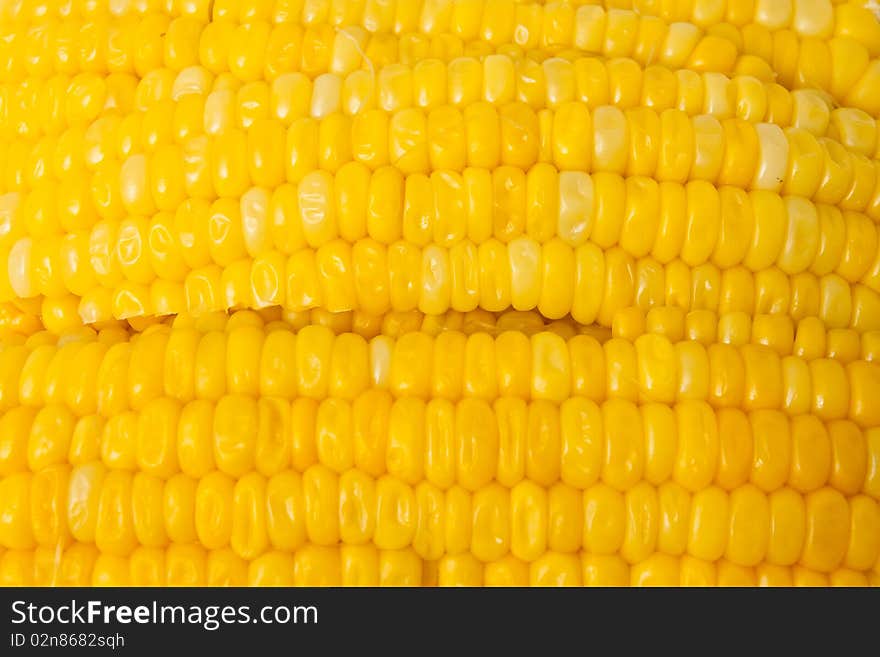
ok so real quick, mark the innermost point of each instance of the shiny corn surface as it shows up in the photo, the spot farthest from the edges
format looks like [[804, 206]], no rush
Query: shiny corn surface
[[440, 293]]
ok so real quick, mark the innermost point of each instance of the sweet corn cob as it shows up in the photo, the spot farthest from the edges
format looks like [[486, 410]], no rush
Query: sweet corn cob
[[518, 460]]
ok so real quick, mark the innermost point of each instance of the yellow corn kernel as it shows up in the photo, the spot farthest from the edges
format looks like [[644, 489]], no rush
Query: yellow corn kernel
[[285, 511], [697, 572], [359, 565], [604, 519], [830, 389], [213, 510], [542, 448], [272, 569], [114, 530], [555, 569], [708, 534], [110, 570], [697, 455], [643, 197], [642, 521], [657, 570], [848, 456], [490, 535], [477, 444], [843, 345], [315, 565], [610, 140], [50, 435], [148, 510], [225, 568], [512, 417], [460, 570], [786, 527], [661, 438], [693, 371], [249, 536], [827, 530]]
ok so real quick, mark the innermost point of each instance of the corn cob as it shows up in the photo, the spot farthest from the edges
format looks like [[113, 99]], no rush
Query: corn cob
[[89, 457]]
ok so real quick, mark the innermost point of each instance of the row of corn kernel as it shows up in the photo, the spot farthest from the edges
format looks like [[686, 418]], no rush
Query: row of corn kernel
[[24, 12], [154, 46], [185, 365], [624, 32], [35, 108], [63, 315], [451, 139], [158, 173], [589, 285], [81, 564], [29, 330], [500, 79], [333, 11], [805, 17], [617, 33], [819, 19], [808, 339], [726, 447], [572, 137], [250, 51], [365, 565], [737, 290], [120, 511], [669, 146], [577, 442], [842, 64], [696, 222], [246, 46], [18, 346], [430, 84], [140, 183]]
